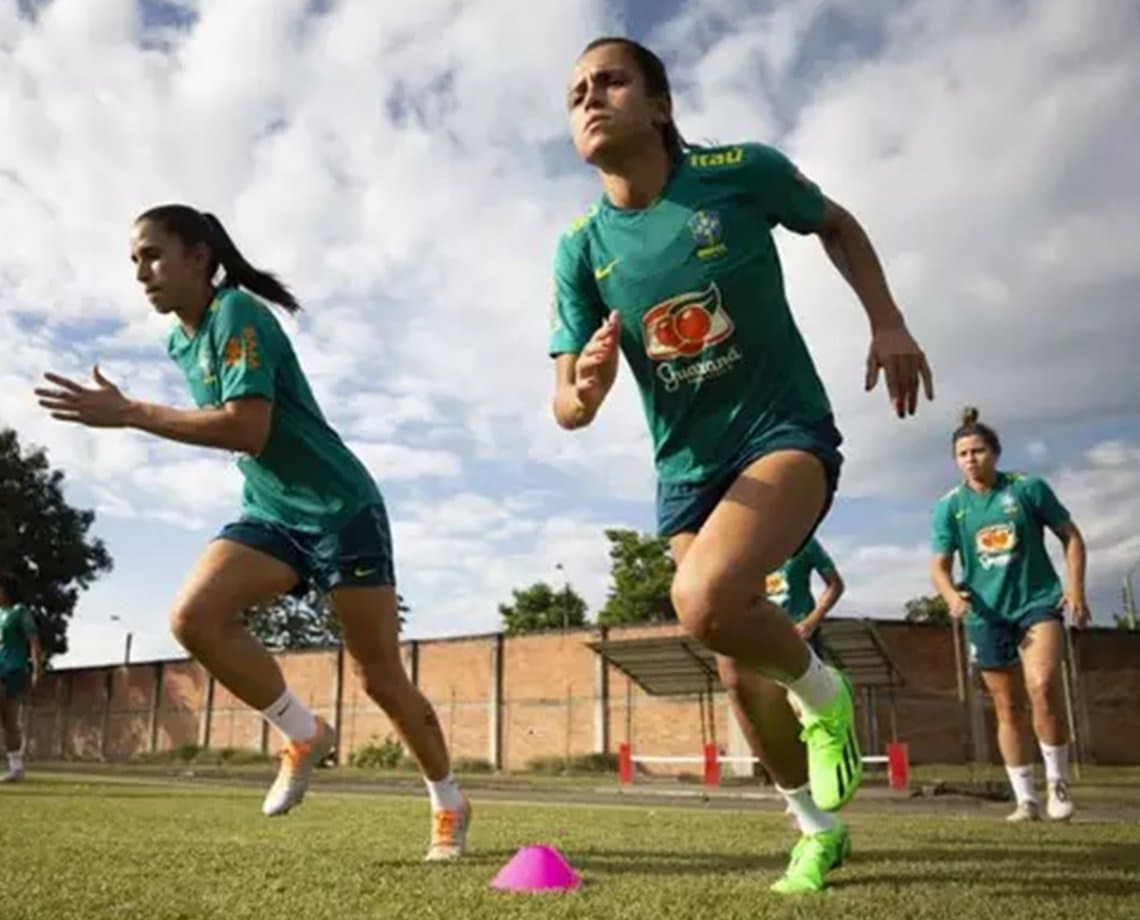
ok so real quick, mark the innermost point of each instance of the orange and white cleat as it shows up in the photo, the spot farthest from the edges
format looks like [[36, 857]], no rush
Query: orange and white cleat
[[297, 761], [449, 833]]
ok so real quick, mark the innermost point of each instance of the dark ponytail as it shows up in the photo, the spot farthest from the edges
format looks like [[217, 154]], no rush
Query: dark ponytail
[[656, 84], [193, 227], [971, 426]]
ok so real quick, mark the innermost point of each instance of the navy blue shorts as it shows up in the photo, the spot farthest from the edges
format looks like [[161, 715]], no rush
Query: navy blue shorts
[[994, 643], [685, 506], [359, 554], [15, 683]]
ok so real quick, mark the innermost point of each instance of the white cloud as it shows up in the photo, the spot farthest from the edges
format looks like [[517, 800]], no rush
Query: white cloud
[[401, 166], [393, 461]]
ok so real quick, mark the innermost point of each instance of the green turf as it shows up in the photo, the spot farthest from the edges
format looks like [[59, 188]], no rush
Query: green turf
[[76, 847]]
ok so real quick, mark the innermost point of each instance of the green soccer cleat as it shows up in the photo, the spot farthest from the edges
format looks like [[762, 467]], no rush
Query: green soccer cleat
[[812, 858], [835, 764]]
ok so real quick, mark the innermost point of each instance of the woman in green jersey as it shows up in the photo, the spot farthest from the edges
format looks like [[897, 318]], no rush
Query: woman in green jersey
[[21, 664], [676, 267], [1011, 602], [311, 512]]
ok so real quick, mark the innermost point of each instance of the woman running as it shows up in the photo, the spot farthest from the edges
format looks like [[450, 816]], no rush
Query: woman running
[[1012, 601], [676, 265], [761, 706], [21, 664], [311, 514]]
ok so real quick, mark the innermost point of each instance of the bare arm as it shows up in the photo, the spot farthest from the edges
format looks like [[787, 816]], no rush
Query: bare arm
[[850, 250], [1075, 561], [37, 656], [582, 381], [569, 410], [893, 350], [832, 592], [942, 574], [239, 425]]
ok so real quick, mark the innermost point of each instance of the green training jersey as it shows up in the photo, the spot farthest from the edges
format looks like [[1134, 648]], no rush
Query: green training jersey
[[999, 537], [305, 477], [790, 585], [17, 629], [705, 326]]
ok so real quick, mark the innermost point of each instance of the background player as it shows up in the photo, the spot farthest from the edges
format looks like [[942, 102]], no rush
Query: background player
[[1012, 601], [21, 664]]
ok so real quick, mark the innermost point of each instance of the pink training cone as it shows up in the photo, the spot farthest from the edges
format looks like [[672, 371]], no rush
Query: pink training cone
[[537, 868]]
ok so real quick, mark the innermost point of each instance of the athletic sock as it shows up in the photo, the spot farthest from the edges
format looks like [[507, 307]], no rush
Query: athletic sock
[[816, 689], [15, 761], [1056, 762], [1021, 779], [290, 717], [809, 816], [444, 793]]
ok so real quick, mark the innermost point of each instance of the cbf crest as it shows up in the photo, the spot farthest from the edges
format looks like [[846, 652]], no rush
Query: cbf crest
[[708, 234]]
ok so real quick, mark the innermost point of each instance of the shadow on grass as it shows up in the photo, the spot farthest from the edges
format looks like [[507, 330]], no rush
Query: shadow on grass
[[1017, 869]]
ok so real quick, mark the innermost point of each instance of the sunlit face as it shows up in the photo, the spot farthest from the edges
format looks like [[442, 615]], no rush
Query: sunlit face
[[975, 458], [171, 273], [610, 110]]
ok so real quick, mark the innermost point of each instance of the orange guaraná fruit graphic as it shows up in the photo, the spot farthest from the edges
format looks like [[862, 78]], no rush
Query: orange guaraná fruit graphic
[[996, 539]]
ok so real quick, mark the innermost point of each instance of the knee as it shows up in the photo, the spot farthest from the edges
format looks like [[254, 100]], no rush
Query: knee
[[699, 606], [731, 679], [192, 625], [380, 685], [1040, 691], [1008, 707]]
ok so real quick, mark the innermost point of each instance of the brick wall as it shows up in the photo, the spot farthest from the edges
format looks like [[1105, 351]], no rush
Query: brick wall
[[509, 700]]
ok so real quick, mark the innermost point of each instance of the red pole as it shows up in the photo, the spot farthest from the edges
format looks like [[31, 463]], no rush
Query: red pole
[[898, 765], [712, 765], [625, 764]]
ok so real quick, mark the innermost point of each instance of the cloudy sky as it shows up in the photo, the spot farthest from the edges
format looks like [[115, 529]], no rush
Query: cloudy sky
[[407, 169]]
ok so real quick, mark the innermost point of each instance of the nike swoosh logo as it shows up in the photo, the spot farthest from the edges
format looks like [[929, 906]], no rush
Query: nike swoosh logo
[[605, 270], [958, 515], [361, 573]]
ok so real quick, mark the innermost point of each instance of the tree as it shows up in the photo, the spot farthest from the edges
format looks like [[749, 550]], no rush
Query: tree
[[641, 575], [292, 623], [541, 607], [927, 609], [43, 540]]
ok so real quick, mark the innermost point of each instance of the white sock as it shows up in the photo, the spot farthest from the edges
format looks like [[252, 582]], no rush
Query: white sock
[[1056, 762], [816, 688], [811, 819], [290, 717], [15, 761], [444, 793], [1021, 779]]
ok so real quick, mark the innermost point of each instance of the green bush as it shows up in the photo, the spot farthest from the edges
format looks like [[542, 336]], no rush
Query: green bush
[[380, 755], [578, 764], [472, 765]]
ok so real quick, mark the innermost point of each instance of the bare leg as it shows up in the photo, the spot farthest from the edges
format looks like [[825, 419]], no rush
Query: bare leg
[[227, 580], [371, 639], [1015, 742], [1041, 655], [760, 522], [767, 721]]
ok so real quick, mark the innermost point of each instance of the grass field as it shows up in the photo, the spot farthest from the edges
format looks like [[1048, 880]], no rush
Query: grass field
[[97, 847]]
